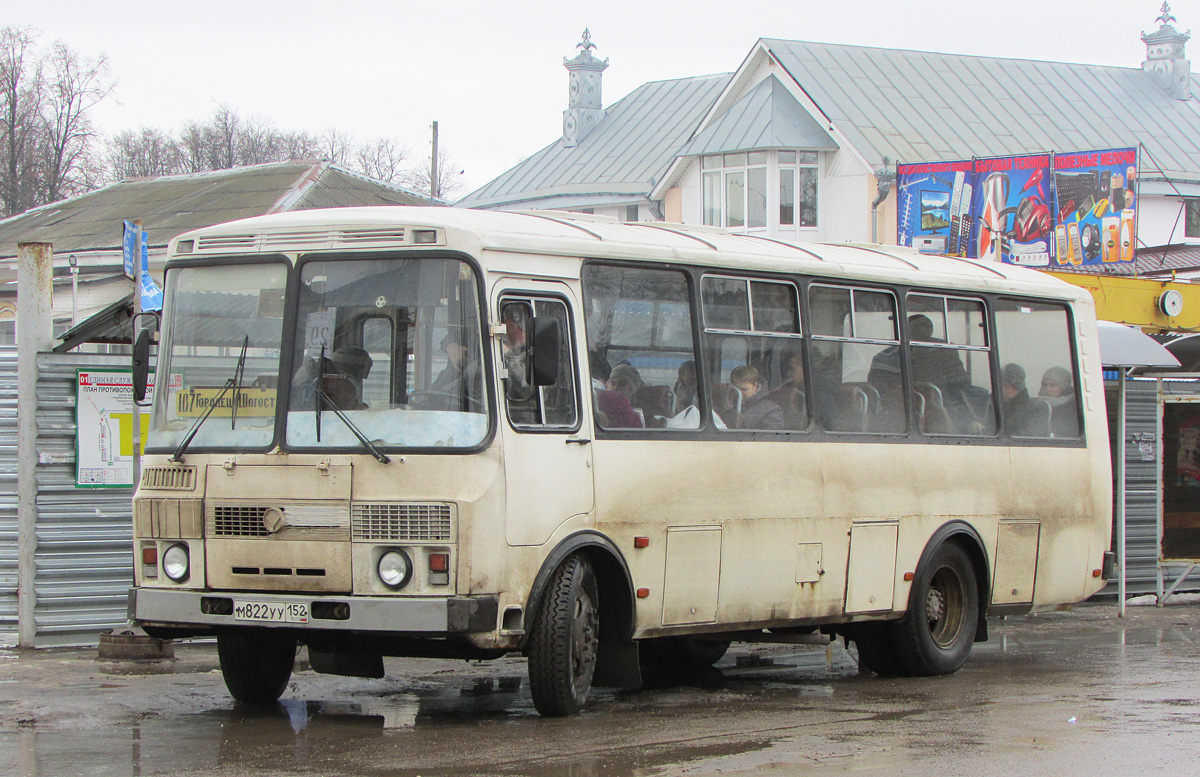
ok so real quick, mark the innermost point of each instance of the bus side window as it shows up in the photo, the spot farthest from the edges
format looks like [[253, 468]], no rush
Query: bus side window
[[1038, 378], [529, 404], [643, 357], [856, 360]]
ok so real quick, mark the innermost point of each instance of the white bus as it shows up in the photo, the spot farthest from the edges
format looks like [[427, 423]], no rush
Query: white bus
[[612, 447]]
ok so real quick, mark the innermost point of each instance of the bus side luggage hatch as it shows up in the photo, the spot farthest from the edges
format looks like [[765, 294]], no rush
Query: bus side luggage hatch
[[347, 664]]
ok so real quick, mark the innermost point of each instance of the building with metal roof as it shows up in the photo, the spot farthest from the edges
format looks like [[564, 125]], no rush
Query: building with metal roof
[[86, 231], [800, 142]]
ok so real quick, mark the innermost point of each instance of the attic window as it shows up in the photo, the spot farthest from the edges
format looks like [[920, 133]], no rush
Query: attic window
[[1191, 222]]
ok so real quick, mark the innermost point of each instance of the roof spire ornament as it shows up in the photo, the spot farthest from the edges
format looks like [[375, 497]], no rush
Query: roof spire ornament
[[584, 109], [587, 45], [1163, 18]]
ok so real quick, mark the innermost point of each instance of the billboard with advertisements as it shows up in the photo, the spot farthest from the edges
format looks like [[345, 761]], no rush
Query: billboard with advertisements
[[1038, 210]]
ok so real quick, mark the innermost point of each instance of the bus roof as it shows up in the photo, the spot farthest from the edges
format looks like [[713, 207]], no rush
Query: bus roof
[[585, 236]]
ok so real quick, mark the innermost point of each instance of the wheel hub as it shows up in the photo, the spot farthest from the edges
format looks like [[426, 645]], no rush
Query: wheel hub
[[935, 605]]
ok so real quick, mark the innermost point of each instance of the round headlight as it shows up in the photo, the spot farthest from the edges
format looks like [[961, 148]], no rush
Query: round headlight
[[175, 563], [395, 568]]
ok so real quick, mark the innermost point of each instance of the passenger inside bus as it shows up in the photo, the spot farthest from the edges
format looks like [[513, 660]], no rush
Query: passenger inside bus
[[611, 408], [1023, 415], [351, 366], [1058, 390], [685, 387], [758, 411], [459, 386], [790, 395]]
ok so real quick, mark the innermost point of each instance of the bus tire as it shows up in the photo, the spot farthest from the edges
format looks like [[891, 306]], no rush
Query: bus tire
[[936, 635], [256, 667], [564, 640], [877, 649]]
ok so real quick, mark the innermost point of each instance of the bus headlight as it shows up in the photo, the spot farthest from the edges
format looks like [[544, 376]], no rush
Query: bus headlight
[[395, 568], [175, 563]]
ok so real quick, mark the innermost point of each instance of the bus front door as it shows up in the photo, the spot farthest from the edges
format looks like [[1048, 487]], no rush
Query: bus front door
[[547, 446]]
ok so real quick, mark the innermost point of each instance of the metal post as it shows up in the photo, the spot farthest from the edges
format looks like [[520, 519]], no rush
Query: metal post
[[434, 189], [1121, 489], [35, 284], [137, 308], [74, 289]]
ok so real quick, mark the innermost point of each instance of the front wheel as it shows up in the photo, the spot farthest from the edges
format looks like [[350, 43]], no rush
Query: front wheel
[[936, 635], [564, 639], [256, 667]]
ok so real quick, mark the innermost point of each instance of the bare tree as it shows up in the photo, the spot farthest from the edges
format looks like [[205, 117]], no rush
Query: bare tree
[[143, 153], [382, 159], [336, 146], [20, 110], [449, 181], [75, 85]]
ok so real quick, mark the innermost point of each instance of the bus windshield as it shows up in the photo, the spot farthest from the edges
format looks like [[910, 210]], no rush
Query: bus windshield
[[217, 314], [391, 347]]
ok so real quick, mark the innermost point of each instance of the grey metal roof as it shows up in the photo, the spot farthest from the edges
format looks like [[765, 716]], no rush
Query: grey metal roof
[[174, 204], [631, 146], [921, 106], [767, 117]]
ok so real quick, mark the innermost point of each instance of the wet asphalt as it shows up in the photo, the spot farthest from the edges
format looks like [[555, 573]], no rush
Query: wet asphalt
[[1080, 692]]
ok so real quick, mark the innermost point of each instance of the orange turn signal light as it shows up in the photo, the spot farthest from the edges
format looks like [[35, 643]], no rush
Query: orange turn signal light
[[642, 593], [439, 562], [641, 542], [908, 576], [150, 555], [1096, 573]]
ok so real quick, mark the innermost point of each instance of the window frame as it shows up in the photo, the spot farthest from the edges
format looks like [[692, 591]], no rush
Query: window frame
[[531, 298]]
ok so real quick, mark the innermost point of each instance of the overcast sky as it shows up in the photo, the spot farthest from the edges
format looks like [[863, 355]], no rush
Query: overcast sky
[[491, 72]]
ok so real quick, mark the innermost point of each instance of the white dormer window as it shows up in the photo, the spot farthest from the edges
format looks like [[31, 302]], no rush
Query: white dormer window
[[757, 191]]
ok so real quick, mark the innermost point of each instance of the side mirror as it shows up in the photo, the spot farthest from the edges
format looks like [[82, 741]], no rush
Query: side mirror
[[141, 365], [545, 351]]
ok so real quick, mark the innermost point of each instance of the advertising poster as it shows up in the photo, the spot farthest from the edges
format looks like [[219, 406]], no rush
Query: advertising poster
[[1011, 219], [1037, 210], [104, 422], [1095, 207], [931, 206]]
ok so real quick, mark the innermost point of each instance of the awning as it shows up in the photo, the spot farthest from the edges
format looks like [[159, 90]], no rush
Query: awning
[[1124, 346]]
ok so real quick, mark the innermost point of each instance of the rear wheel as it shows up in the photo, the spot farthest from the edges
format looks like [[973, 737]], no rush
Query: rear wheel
[[256, 667], [936, 635], [564, 639]]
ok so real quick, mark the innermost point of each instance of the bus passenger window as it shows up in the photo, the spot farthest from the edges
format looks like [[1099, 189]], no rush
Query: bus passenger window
[[641, 352], [950, 355], [755, 353], [1039, 381], [856, 360]]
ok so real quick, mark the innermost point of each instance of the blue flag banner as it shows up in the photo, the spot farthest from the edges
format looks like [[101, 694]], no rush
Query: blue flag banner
[[128, 246], [152, 296]]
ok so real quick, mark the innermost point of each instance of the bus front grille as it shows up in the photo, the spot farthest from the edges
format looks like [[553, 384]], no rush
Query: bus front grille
[[229, 521], [169, 478], [403, 521]]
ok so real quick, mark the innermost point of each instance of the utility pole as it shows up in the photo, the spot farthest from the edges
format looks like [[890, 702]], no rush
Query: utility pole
[[434, 189], [137, 309]]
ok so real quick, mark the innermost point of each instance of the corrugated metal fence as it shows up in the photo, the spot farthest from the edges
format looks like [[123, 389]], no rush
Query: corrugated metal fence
[[84, 536], [8, 495]]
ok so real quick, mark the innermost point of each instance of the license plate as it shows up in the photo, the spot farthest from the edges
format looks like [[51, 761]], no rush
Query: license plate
[[271, 612]]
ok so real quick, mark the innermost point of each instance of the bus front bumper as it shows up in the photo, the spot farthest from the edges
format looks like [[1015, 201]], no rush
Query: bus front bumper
[[176, 608]]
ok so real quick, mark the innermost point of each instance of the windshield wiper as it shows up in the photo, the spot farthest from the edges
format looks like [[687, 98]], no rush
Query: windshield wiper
[[237, 383], [177, 456], [321, 396]]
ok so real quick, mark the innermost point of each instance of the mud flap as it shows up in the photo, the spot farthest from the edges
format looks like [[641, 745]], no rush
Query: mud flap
[[347, 664], [617, 665]]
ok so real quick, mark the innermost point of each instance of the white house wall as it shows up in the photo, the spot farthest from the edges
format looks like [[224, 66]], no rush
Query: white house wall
[[1160, 222], [692, 198]]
